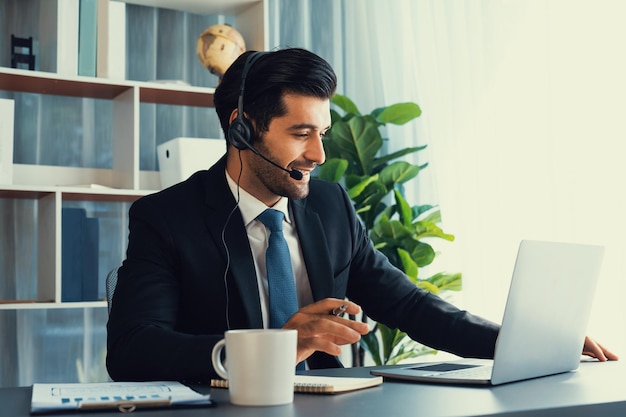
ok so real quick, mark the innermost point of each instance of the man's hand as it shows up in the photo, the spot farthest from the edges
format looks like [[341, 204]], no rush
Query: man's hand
[[596, 350], [320, 330]]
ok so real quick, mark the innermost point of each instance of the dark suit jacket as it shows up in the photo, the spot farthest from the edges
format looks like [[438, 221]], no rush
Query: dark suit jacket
[[176, 287]]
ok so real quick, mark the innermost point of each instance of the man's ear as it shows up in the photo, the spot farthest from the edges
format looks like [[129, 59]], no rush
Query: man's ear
[[233, 116]]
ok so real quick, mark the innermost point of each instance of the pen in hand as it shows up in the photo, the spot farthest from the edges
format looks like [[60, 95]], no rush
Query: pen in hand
[[337, 311]]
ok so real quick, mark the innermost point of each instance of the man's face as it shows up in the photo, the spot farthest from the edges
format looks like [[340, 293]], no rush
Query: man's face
[[293, 141]]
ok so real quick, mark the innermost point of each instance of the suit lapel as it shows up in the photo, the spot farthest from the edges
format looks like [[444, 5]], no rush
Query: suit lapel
[[314, 250], [221, 220]]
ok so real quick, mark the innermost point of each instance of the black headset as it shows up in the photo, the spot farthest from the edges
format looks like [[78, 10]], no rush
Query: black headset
[[240, 131]]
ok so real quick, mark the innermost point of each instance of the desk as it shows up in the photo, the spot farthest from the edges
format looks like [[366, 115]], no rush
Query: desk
[[595, 389]]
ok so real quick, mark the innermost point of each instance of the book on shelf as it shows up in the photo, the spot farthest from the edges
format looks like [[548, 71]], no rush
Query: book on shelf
[[87, 37], [90, 241], [7, 113], [79, 255], [67, 37], [314, 384]]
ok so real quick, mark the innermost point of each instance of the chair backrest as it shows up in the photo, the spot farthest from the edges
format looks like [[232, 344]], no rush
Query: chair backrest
[[111, 282]]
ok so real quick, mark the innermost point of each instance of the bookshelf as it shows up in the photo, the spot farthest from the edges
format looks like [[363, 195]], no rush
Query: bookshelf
[[50, 188], [44, 336]]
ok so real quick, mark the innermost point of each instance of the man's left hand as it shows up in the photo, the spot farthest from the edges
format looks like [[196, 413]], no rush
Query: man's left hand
[[596, 350]]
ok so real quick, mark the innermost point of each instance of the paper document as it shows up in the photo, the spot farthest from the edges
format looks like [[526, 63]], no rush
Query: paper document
[[125, 396]]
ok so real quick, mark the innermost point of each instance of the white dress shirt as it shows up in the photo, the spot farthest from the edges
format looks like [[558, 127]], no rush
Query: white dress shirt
[[258, 236]]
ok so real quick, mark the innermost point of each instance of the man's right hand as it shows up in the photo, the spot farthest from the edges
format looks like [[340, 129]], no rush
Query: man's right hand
[[320, 330]]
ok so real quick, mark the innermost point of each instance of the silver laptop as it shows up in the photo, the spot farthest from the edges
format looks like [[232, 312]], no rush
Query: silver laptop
[[544, 323]]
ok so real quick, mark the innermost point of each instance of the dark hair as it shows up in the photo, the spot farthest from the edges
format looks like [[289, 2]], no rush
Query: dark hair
[[274, 74]]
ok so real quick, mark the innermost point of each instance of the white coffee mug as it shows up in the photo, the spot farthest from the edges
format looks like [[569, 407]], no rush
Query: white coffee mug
[[260, 365]]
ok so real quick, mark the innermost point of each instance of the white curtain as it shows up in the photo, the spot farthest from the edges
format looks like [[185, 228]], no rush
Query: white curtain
[[523, 113]]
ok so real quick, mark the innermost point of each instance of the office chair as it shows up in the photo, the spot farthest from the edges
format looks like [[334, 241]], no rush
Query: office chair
[[111, 282]]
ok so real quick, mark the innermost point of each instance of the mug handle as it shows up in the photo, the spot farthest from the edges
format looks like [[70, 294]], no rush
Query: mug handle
[[217, 361]]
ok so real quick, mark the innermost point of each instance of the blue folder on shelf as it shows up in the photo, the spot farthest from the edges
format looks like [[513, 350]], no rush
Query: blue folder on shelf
[[79, 255]]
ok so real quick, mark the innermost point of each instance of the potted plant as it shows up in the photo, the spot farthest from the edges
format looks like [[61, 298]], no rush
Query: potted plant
[[375, 183]]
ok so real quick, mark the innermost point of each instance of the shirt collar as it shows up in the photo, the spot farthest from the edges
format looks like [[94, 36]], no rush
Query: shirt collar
[[250, 207]]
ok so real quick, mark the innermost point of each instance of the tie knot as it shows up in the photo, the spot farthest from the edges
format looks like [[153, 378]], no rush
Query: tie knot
[[272, 219]]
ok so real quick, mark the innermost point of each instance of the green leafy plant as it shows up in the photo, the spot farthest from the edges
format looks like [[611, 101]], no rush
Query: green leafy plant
[[375, 182]]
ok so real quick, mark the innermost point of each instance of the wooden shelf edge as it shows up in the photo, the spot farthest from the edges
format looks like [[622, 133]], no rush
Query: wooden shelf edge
[[74, 183], [46, 305], [72, 193], [167, 94], [39, 82]]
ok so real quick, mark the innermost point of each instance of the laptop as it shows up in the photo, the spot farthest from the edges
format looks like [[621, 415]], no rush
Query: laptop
[[544, 323]]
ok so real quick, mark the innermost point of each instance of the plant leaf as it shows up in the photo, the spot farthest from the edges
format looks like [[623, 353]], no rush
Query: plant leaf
[[345, 104], [387, 336], [381, 160], [432, 214], [356, 190], [447, 281], [332, 170], [409, 266], [398, 172], [427, 229], [411, 350], [370, 343], [421, 252], [403, 208], [391, 230], [398, 114], [425, 285]]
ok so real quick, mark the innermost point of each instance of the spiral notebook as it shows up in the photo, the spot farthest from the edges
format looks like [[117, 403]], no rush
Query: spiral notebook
[[314, 384]]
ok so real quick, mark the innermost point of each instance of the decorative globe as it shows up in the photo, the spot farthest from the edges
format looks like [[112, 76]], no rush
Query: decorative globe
[[218, 47]]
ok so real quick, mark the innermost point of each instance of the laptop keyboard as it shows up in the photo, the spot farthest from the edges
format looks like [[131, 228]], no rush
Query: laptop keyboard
[[456, 370], [480, 373]]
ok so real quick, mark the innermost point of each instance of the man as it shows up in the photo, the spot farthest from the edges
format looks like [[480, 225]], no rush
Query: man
[[196, 263]]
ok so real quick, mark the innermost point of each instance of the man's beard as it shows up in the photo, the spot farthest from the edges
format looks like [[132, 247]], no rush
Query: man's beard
[[275, 180]]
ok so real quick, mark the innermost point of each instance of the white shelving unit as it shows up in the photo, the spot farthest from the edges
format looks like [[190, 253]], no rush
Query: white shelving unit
[[50, 186], [251, 15]]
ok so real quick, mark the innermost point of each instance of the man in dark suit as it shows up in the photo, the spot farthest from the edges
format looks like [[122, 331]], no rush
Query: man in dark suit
[[195, 263]]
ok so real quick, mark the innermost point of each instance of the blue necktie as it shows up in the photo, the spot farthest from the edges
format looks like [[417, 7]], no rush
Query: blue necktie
[[283, 301]]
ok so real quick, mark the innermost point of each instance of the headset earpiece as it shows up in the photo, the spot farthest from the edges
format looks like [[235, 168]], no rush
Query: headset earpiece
[[240, 131]]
